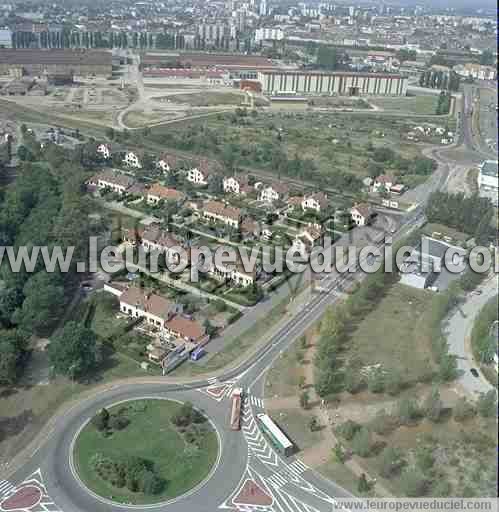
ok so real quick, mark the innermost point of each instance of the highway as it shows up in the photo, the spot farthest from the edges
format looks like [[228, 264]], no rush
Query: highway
[[245, 456]]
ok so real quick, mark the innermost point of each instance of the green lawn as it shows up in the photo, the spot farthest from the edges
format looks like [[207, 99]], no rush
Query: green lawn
[[151, 436], [396, 333], [423, 105]]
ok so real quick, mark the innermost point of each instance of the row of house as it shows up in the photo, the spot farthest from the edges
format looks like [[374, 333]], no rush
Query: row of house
[[153, 238], [120, 183], [163, 315]]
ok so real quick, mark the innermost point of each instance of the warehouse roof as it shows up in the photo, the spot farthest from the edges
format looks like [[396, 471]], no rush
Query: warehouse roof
[[55, 56]]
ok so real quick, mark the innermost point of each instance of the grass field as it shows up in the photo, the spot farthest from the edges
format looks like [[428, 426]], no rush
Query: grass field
[[396, 333], [328, 142], [421, 105], [207, 99], [151, 436]]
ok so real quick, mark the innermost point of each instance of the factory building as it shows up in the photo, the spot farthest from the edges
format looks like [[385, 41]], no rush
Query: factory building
[[31, 62], [337, 83]]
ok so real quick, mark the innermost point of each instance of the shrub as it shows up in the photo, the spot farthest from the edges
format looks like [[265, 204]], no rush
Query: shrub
[[101, 420], [487, 404], [392, 461], [348, 429], [463, 410], [361, 442], [413, 483]]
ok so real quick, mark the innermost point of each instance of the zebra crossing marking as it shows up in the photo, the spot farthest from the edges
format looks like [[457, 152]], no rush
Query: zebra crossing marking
[[297, 468], [277, 481], [5, 487], [34, 487], [258, 402]]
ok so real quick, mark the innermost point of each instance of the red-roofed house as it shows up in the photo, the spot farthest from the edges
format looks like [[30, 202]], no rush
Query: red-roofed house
[[187, 330], [158, 192]]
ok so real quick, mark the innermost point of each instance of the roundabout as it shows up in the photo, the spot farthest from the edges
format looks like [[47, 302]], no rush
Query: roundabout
[[145, 452]]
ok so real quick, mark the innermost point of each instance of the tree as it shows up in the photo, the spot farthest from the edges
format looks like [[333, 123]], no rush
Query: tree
[[339, 453], [74, 351], [392, 461], [424, 458], [314, 424], [433, 405], [408, 411], [304, 400], [44, 299], [361, 442], [392, 381], [363, 485], [463, 410], [348, 429], [487, 404], [327, 57], [118, 422], [382, 422], [101, 420], [413, 483], [376, 380], [12, 354], [487, 57]]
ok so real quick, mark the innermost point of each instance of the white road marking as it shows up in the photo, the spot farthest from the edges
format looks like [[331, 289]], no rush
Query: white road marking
[[5, 487]]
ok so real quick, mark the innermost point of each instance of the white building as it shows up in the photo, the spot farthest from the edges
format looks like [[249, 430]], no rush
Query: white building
[[132, 160], [198, 176], [104, 151], [271, 193], [266, 34], [361, 214], [234, 185]]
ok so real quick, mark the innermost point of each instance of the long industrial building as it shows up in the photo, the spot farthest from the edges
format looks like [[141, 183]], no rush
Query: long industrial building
[[338, 83], [30, 62]]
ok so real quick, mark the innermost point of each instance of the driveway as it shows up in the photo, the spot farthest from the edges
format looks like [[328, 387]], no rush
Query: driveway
[[458, 331]]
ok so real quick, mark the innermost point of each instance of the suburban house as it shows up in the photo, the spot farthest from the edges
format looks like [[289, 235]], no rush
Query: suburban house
[[275, 192], [317, 202], [159, 193], [235, 273], [155, 239], [138, 303], [361, 214], [250, 229], [217, 211], [131, 159], [167, 162], [199, 175], [186, 330], [306, 239], [132, 236], [235, 185], [384, 183], [104, 150], [111, 180]]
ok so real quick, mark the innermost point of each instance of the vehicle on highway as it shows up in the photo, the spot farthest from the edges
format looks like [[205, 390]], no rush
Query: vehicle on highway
[[235, 409], [276, 436], [474, 372]]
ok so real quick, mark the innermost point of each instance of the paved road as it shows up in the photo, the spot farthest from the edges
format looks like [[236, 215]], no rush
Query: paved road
[[244, 456], [458, 330]]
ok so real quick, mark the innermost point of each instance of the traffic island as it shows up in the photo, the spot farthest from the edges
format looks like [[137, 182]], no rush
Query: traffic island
[[145, 452]]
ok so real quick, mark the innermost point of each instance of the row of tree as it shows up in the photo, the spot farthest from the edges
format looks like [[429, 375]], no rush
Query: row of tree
[[472, 215], [445, 81], [43, 207]]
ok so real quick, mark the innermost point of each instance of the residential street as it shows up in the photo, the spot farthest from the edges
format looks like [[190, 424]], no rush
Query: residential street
[[458, 331]]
